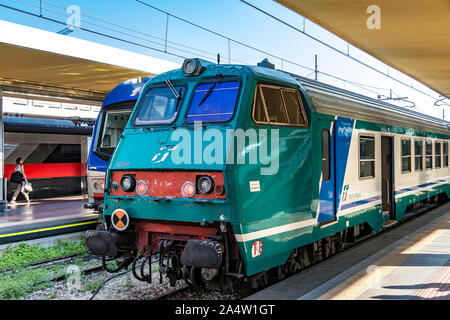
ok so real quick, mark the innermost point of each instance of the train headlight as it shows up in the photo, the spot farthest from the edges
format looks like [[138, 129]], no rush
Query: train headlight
[[115, 186], [142, 188], [192, 67], [188, 189], [128, 183], [96, 186], [205, 185]]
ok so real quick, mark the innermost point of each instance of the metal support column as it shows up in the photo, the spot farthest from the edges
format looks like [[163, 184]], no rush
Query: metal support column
[[3, 200]]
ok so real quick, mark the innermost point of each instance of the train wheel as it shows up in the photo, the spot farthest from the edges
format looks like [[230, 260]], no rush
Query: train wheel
[[191, 276], [304, 257], [195, 277]]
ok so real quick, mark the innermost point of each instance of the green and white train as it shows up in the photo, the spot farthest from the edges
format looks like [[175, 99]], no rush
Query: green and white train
[[244, 174]]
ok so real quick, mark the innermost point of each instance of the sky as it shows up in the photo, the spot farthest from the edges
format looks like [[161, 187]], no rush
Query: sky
[[146, 29]]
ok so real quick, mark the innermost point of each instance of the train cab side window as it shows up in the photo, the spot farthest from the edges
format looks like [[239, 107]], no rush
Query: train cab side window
[[429, 155], [366, 157], [326, 155], [259, 112], [279, 106], [418, 155], [294, 107], [274, 105], [406, 155], [437, 159], [445, 154]]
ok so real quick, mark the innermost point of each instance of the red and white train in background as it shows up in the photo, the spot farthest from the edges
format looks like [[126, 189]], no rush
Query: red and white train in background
[[54, 152]]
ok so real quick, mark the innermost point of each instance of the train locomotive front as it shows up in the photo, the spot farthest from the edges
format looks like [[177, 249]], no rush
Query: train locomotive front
[[169, 189], [232, 175]]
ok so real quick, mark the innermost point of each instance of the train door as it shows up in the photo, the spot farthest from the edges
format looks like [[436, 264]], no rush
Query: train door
[[335, 156], [387, 178], [327, 203]]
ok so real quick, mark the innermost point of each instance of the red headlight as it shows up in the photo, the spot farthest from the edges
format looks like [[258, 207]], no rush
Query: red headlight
[[102, 186], [188, 189], [142, 188]]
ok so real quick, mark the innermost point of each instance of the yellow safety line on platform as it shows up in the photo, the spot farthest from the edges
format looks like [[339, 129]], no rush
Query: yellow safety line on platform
[[369, 278], [46, 229]]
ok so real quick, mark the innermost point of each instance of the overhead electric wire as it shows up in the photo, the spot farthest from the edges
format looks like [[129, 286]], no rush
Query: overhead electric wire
[[360, 85], [91, 31], [213, 55], [335, 49], [223, 36]]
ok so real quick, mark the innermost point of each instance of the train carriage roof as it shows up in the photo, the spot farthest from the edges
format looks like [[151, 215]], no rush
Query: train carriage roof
[[333, 100], [41, 125], [413, 36]]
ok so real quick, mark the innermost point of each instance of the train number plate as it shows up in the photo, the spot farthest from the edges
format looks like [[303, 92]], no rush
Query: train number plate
[[257, 249]]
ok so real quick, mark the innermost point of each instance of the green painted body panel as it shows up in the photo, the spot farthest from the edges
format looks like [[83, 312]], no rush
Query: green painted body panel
[[288, 197], [402, 202]]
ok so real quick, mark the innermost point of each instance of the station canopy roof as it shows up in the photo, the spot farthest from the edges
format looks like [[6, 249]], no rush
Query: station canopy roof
[[30, 56], [414, 37]]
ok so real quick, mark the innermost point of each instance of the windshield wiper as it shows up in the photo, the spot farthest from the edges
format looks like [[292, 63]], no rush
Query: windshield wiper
[[172, 88], [174, 91], [219, 78]]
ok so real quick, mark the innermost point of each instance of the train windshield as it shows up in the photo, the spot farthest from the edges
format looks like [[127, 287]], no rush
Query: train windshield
[[159, 106], [214, 102], [113, 124]]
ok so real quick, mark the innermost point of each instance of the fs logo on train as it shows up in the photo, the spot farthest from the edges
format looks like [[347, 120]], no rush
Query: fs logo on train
[[257, 249]]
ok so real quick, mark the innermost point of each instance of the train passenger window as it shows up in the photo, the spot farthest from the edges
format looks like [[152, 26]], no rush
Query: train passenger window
[[429, 155], [158, 106], [437, 152], [279, 106], [418, 155], [366, 157], [406, 155], [213, 102], [445, 154], [326, 155]]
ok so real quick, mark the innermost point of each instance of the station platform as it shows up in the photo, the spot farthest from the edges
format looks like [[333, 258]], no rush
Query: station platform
[[409, 262], [45, 218]]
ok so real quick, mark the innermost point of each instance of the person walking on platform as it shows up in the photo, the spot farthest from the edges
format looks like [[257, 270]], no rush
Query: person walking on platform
[[20, 178]]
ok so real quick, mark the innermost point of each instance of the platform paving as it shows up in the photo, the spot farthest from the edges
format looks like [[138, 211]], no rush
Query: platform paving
[[402, 263], [44, 218]]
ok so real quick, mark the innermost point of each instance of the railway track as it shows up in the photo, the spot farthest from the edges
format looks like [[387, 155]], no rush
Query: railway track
[[186, 292], [166, 296], [164, 292]]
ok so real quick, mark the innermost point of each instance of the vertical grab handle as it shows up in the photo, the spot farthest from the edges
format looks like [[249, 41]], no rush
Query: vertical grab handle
[[388, 189], [5, 194]]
